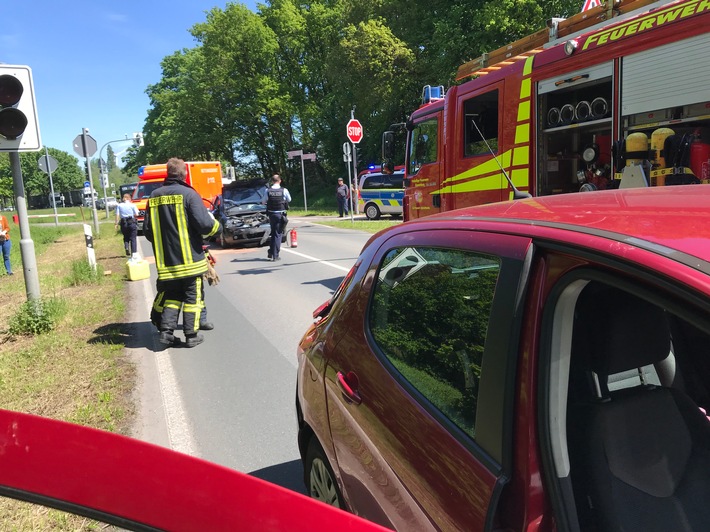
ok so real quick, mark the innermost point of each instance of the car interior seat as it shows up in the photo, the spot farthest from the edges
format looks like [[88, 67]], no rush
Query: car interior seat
[[640, 455]]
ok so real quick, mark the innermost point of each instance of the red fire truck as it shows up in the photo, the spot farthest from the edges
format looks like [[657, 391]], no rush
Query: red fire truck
[[623, 86]]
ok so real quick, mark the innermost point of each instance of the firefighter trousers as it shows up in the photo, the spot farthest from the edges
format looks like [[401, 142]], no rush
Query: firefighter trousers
[[156, 310], [175, 295]]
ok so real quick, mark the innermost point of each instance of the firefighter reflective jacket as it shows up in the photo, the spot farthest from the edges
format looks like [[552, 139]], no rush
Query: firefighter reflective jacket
[[175, 222]]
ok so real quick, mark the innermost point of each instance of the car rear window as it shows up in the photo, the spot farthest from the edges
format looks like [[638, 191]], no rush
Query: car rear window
[[378, 181]]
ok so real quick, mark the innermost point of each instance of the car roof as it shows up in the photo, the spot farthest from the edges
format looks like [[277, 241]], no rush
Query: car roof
[[676, 217]]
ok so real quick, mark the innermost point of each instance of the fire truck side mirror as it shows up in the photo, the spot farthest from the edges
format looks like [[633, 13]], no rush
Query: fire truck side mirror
[[388, 145]]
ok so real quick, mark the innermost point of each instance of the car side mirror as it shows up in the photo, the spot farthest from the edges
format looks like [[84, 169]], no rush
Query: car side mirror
[[387, 167]]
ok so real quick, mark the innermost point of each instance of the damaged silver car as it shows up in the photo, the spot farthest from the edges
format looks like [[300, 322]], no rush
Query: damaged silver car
[[241, 210]]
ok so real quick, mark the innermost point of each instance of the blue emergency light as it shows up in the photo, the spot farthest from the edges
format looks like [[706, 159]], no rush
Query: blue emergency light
[[432, 93]]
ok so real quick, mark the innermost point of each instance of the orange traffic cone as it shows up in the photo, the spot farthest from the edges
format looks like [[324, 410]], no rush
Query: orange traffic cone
[[293, 240]]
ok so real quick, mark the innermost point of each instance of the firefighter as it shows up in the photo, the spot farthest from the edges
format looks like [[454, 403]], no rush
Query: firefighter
[[176, 221]]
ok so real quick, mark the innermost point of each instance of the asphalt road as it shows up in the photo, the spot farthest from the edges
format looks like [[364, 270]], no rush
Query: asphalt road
[[230, 400]]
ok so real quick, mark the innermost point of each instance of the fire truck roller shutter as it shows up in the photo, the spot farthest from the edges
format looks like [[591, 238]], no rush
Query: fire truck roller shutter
[[645, 90]]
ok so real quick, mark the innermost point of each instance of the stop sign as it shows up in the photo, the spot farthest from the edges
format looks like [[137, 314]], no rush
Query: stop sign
[[354, 131]]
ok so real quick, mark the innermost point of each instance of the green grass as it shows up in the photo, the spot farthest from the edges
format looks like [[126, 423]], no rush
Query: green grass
[[369, 226], [68, 214], [76, 369], [37, 317]]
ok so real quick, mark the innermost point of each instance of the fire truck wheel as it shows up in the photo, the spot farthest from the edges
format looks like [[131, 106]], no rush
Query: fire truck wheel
[[372, 211]]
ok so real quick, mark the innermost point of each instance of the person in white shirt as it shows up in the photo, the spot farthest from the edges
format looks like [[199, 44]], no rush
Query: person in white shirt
[[126, 218]]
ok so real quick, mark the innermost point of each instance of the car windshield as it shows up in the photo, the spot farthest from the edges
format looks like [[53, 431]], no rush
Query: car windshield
[[245, 195], [144, 190]]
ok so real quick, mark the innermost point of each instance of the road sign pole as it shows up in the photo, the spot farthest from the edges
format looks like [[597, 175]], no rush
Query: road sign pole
[[94, 214], [51, 185], [347, 159], [354, 132], [311, 157], [303, 178], [27, 246], [355, 171]]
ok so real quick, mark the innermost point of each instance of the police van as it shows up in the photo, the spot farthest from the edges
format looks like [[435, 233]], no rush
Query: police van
[[380, 193]]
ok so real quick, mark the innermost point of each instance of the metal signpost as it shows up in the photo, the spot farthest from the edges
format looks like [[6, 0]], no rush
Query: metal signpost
[[347, 159], [354, 132], [85, 146], [307, 157], [48, 164]]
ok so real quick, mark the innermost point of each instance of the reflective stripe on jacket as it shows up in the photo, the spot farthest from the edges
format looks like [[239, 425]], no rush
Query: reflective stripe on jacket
[[175, 222]]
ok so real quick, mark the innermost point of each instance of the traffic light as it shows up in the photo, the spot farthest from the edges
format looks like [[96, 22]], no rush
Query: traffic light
[[104, 181], [138, 140], [19, 130]]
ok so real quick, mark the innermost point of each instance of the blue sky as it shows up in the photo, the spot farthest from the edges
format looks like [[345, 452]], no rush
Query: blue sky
[[92, 60]]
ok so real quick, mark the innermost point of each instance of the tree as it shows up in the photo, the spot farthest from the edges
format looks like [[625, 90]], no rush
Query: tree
[[110, 159], [67, 176], [286, 77], [254, 106], [367, 71], [6, 190]]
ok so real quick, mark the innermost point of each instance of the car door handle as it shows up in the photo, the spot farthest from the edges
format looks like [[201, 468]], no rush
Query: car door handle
[[349, 385]]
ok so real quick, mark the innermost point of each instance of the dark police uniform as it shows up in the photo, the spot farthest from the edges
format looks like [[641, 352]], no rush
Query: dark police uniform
[[276, 205]]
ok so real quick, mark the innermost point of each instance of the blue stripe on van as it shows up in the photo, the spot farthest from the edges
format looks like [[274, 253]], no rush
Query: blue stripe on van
[[388, 198]]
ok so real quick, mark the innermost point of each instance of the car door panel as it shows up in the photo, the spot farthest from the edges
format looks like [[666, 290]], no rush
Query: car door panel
[[392, 446]]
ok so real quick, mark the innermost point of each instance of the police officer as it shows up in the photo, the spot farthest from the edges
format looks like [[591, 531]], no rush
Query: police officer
[[175, 223], [126, 215], [277, 202]]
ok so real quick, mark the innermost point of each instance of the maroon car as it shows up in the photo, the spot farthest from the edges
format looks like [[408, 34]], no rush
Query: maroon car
[[541, 364]]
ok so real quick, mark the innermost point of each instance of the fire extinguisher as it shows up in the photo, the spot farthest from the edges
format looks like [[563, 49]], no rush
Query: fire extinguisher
[[293, 238], [700, 157]]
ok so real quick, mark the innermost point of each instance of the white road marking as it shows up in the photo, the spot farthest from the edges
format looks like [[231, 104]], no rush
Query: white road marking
[[327, 263], [178, 428], [179, 432]]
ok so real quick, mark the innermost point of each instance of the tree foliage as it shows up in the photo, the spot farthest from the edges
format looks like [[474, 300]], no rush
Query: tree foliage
[[257, 85], [67, 176], [110, 158]]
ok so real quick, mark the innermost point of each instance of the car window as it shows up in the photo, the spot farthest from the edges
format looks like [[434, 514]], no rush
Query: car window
[[144, 190], [424, 145], [429, 315], [374, 181], [395, 181], [246, 195], [481, 124]]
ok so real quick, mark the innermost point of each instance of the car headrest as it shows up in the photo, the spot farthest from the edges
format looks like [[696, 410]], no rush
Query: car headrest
[[624, 332]]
